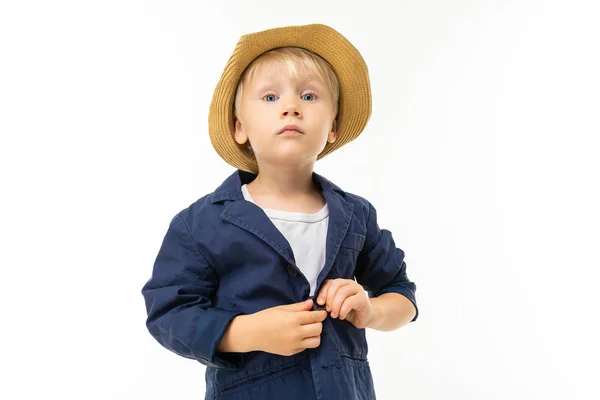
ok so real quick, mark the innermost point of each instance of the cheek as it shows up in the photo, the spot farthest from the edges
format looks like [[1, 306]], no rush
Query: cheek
[[324, 123], [256, 128], [324, 129], [256, 116]]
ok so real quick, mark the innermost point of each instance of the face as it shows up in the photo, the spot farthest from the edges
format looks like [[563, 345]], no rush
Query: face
[[286, 121]]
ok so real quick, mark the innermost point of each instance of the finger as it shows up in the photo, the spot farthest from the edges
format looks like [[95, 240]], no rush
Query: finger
[[302, 306], [311, 317], [331, 292], [322, 296], [349, 304], [341, 295], [318, 316], [311, 330], [293, 352], [311, 342]]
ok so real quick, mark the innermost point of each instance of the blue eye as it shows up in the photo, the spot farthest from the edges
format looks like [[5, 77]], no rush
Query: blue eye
[[270, 97], [309, 97]]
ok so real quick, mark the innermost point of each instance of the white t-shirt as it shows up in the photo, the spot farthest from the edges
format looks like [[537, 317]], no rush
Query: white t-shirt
[[306, 234]]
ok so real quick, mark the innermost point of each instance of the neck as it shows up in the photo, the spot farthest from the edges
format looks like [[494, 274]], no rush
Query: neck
[[284, 180]]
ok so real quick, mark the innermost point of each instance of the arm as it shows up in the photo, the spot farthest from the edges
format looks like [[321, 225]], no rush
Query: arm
[[381, 270], [391, 311], [178, 299], [237, 337]]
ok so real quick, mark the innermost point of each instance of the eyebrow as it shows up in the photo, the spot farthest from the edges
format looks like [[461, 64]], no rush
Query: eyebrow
[[301, 82]]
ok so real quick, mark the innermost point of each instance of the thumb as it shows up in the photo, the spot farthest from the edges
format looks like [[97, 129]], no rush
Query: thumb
[[302, 306]]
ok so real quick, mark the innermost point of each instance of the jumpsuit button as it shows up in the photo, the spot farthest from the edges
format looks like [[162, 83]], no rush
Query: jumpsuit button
[[292, 270]]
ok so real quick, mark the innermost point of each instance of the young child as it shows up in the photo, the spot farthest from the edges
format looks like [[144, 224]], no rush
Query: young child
[[265, 280]]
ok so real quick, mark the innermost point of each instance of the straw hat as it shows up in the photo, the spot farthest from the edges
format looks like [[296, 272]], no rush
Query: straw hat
[[344, 58]]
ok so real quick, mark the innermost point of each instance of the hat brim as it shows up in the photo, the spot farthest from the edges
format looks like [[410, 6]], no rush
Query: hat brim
[[354, 108]]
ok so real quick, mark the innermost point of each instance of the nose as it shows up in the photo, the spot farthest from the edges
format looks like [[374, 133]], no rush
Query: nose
[[291, 108]]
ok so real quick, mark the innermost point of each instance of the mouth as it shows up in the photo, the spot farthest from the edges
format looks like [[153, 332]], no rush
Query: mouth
[[290, 130]]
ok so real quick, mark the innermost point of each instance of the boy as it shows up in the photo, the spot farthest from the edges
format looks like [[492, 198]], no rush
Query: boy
[[264, 280]]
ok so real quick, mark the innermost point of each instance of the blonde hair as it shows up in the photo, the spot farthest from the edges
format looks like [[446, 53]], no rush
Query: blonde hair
[[293, 58]]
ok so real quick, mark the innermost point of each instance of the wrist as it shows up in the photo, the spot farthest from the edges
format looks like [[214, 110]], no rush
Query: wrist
[[238, 337], [375, 313], [249, 336]]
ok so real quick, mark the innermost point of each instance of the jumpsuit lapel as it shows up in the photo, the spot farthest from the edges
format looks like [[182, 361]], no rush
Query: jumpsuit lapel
[[340, 216], [251, 218]]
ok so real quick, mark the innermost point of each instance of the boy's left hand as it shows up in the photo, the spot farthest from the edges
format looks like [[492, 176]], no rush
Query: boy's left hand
[[346, 299]]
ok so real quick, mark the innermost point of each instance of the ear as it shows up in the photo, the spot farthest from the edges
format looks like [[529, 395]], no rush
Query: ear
[[240, 134], [332, 136]]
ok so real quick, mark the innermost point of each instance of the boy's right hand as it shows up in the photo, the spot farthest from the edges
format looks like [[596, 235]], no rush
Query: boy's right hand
[[288, 329]]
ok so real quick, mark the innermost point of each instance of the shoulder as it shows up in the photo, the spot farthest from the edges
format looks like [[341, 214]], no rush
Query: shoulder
[[200, 209], [202, 215], [207, 209], [361, 207]]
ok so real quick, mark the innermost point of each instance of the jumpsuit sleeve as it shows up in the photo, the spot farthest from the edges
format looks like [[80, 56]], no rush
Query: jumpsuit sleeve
[[380, 265], [179, 301]]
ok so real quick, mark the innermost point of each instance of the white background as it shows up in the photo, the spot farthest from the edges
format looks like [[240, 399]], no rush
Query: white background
[[481, 157]]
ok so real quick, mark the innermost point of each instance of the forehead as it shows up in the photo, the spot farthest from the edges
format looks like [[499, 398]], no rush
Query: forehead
[[276, 71]]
